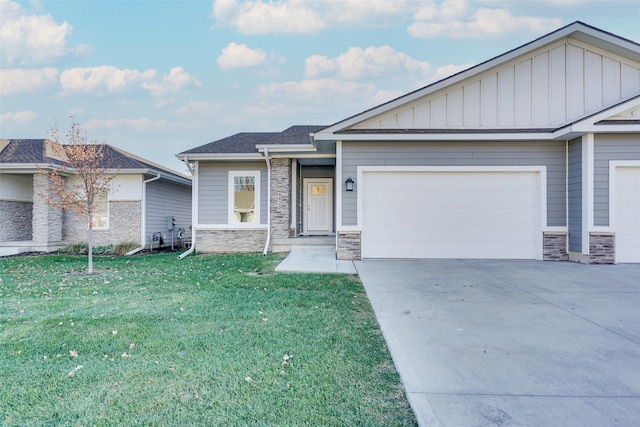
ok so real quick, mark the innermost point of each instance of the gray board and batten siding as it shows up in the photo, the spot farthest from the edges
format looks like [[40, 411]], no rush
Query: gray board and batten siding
[[167, 199], [609, 147], [213, 190], [550, 154], [575, 195]]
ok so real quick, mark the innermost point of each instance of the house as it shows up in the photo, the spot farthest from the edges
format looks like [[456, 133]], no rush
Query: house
[[143, 200], [534, 154]]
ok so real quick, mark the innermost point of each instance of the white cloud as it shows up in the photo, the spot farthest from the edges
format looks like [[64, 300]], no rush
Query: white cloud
[[371, 13], [17, 80], [457, 19], [357, 63], [20, 118], [240, 56], [89, 79], [259, 17], [29, 39], [176, 80], [315, 91], [110, 78], [307, 16]]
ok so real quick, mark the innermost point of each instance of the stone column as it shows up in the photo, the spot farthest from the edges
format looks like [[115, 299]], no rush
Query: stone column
[[281, 198], [47, 221]]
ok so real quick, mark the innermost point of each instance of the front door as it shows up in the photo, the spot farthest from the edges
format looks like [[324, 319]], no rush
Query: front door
[[318, 206]]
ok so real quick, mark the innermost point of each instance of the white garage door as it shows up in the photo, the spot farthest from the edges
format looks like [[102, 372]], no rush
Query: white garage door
[[627, 214], [451, 215]]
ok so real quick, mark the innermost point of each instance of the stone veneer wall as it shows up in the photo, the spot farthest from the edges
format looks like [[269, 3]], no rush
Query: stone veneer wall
[[555, 247], [15, 220], [602, 248], [349, 245], [230, 241], [281, 199], [124, 225], [47, 221]]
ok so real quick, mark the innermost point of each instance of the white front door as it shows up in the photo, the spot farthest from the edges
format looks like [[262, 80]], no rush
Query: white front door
[[318, 206]]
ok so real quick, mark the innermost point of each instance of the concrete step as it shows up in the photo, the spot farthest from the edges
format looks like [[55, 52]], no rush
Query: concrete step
[[316, 244], [313, 248]]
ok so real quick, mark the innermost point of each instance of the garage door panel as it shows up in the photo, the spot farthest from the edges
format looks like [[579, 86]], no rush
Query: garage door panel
[[450, 215], [627, 218]]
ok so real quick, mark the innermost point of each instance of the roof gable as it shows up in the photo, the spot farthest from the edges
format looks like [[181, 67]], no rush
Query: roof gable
[[555, 80]]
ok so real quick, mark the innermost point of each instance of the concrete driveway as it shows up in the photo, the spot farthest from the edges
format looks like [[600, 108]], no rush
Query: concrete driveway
[[512, 343]]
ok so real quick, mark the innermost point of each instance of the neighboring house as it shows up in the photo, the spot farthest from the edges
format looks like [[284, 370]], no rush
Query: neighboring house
[[534, 154], [142, 197]]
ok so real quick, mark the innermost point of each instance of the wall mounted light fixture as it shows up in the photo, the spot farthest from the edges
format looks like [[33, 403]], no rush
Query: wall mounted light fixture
[[349, 184]]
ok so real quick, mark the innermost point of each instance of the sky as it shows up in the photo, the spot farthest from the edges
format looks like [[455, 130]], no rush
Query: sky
[[159, 77]]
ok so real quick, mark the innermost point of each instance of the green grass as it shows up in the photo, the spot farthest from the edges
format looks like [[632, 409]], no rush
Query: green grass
[[209, 340]]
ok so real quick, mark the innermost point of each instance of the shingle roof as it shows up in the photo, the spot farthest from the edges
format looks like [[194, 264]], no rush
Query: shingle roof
[[34, 151], [26, 151], [245, 142]]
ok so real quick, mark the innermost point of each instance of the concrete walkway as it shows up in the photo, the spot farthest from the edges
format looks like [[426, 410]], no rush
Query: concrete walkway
[[315, 259], [512, 343]]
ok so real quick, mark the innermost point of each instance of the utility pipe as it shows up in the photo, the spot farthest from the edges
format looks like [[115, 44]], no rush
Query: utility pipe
[[193, 214], [143, 213], [266, 245]]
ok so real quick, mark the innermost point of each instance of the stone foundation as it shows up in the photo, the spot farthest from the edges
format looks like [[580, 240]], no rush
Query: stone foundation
[[349, 245], [47, 221], [15, 220], [230, 241], [124, 225], [555, 247], [602, 248]]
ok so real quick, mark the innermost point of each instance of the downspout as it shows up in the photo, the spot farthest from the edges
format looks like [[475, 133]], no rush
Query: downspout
[[143, 213], [266, 245], [193, 229]]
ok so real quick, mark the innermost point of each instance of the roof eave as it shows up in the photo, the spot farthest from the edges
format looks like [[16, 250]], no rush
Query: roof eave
[[219, 156]]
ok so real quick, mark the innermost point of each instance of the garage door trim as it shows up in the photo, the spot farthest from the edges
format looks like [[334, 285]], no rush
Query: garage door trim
[[540, 172], [613, 168]]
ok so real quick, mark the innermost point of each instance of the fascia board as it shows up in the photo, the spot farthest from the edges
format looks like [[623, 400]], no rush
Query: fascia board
[[590, 124], [32, 167], [286, 148], [488, 136]]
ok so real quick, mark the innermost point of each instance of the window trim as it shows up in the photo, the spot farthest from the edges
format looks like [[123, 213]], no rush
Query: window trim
[[108, 214], [257, 195]]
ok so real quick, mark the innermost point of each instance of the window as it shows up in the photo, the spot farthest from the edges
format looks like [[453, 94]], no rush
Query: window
[[244, 197], [100, 211]]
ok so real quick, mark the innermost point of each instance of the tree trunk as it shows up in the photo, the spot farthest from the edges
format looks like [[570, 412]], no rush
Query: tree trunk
[[90, 244]]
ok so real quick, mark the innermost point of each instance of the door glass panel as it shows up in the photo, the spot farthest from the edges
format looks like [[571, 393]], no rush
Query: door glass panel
[[317, 190]]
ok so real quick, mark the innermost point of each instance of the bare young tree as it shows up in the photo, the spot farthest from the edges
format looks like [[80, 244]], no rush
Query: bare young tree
[[83, 180]]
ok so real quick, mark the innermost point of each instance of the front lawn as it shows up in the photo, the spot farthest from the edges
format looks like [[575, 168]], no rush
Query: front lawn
[[209, 340]]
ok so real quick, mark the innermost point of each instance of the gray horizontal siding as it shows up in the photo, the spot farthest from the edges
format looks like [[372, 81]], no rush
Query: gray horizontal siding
[[575, 195], [549, 153], [213, 190], [607, 148], [167, 199]]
